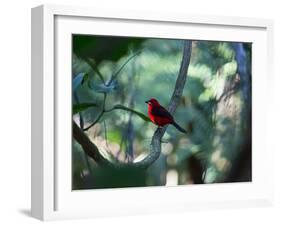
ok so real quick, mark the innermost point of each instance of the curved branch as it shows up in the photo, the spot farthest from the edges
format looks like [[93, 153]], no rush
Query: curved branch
[[94, 66], [120, 69], [81, 122], [100, 114], [92, 150], [175, 99], [121, 107]]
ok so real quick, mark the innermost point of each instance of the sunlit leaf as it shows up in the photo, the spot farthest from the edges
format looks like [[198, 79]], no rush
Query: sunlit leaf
[[83, 106], [114, 136], [141, 115]]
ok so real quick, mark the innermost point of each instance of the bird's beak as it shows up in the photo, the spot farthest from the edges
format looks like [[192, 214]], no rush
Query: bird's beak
[[147, 101]]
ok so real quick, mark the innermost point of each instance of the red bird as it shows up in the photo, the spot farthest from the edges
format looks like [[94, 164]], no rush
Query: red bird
[[160, 116]]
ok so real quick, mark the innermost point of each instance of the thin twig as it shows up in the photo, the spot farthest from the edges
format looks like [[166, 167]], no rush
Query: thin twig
[[92, 150], [100, 114], [130, 125], [93, 65], [89, 147], [120, 69]]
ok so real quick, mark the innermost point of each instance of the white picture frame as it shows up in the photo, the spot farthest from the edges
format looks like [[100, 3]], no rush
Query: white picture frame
[[52, 197]]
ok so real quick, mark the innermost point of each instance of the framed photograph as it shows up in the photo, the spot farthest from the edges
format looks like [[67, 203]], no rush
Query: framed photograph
[[142, 112]]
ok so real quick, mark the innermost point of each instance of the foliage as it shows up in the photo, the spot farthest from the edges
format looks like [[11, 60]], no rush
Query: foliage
[[81, 107], [114, 76]]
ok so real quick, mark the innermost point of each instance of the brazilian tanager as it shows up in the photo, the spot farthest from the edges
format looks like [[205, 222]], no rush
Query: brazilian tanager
[[160, 116]]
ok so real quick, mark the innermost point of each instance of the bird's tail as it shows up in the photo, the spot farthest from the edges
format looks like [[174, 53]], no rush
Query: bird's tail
[[178, 127]]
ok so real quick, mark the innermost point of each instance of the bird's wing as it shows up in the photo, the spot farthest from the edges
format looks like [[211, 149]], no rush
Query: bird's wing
[[161, 112]]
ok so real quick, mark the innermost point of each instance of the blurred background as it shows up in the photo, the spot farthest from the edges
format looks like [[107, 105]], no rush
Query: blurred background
[[215, 109]]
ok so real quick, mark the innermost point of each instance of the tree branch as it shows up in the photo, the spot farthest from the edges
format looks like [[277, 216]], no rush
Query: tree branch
[[92, 150], [100, 114], [93, 65], [180, 83], [81, 122], [120, 69]]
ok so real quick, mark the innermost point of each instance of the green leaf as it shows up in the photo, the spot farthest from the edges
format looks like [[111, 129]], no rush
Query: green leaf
[[81, 107], [114, 136], [104, 48], [141, 115], [78, 80]]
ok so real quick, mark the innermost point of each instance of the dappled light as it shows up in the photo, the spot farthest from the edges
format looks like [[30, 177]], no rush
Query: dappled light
[[113, 77]]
